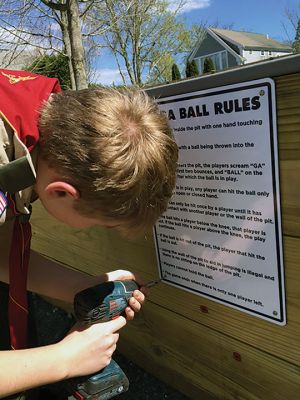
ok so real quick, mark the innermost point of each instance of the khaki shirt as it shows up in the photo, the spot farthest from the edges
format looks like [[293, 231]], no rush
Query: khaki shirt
[[11, 148]]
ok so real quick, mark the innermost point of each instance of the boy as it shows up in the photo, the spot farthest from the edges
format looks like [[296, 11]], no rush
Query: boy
[[103, 157]]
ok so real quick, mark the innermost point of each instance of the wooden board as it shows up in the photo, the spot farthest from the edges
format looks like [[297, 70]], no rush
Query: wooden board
[[203, 362], [94, 251]]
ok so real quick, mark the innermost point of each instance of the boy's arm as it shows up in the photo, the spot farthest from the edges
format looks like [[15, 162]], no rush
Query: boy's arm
[[26, 369], [83, 351]]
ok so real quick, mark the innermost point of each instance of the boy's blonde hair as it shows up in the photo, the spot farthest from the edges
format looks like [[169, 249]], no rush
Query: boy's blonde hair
[[116, 148]]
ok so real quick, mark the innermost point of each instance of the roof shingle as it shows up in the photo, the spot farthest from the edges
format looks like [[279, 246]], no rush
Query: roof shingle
[[250, 40]]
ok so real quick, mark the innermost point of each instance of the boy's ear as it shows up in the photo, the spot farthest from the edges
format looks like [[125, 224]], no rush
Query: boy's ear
[[62, 189]]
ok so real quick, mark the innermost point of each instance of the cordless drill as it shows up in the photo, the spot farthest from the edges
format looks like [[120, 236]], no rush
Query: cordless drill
[[102, 303]]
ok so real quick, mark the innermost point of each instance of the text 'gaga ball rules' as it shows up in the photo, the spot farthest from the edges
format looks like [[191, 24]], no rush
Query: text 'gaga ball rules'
[[221, 235]]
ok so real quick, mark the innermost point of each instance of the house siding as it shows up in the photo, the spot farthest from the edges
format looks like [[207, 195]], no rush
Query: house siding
[[254, 55], [208, 46], [232, 61]]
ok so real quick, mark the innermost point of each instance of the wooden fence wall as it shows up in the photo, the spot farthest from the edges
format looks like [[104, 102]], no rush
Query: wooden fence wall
[[204, 349]]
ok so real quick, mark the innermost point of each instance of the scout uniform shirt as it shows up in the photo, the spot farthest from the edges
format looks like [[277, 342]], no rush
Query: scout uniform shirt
[[11, 148], [22, 95]]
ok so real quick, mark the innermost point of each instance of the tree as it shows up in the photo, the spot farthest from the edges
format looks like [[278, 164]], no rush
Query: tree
[[191, 69], [208, 65], [144, 36], [293, 17], [296, 43], [53, 66], [175, 73], [49, 26]]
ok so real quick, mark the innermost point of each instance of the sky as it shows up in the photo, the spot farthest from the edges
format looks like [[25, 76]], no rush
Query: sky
[[259, 16]]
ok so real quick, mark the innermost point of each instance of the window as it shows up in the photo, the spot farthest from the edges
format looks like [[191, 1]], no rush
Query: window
[[270, 53], [224, 60], [250, 51], [216, 60], [262, 53], [220, 60]]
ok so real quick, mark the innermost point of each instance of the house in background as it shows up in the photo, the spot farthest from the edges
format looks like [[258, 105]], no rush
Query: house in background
[[228, 48]]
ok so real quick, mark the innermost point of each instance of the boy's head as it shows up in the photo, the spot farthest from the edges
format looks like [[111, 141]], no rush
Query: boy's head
[[116, 149]]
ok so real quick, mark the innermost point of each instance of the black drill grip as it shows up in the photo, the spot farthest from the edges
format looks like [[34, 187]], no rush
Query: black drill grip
[[103, 302]]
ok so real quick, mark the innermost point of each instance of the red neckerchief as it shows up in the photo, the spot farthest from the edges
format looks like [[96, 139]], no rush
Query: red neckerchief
[[22, 96]]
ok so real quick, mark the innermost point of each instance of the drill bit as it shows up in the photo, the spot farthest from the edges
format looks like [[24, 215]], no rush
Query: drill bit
[[152, 283]]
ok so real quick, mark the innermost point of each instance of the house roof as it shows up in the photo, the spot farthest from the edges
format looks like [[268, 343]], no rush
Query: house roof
[[250, 40]]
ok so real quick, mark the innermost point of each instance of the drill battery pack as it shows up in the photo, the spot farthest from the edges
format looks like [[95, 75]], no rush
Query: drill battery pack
[[109, 382]]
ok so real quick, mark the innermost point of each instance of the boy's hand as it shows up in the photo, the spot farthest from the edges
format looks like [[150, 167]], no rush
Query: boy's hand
[[138, 297], [88, 349]]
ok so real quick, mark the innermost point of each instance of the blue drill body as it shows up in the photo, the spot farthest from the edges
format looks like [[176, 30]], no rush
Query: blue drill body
[[102, 303]]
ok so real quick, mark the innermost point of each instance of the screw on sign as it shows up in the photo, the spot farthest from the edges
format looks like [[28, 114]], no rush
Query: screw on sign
[[204, 309], [237, 356]]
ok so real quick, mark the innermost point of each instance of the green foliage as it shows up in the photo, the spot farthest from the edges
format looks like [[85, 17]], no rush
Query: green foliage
[[197, 33], [194, 68], [53, 66], [175, 73], [191, 69], [208, 65], [93, 85], [187, 69], [297, 37], [296, 47], [161, 71], [296, 43]]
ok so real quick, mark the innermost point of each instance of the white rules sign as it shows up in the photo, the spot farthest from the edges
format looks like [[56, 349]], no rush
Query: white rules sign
[[221, 235]]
